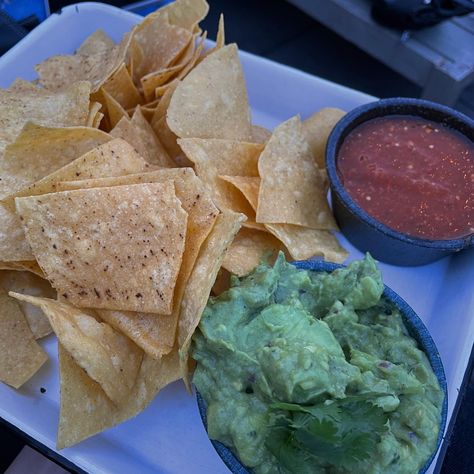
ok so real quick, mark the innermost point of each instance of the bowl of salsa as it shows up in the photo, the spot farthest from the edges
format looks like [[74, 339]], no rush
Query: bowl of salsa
[[313, 367], [401, 173]]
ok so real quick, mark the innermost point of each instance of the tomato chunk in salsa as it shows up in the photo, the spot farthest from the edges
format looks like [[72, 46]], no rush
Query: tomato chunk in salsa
[[413, 175]]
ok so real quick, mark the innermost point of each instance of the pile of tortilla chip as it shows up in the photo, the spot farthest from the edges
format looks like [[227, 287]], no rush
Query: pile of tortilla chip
[[132, 182]]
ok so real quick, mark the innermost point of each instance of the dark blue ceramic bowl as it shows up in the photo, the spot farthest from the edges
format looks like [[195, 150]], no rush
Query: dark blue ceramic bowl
[[416, 329], [360, 228]]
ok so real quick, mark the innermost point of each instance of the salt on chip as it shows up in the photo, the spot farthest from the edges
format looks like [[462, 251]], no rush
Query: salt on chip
[[39, 151], [303, 243], [291, 188], [20, 355], [28, 283], [317, 129], [113, 248], [108, 357], [211, 101], [97, 42], [85, 408], [202, 280], [67, 108], [114, 158], [249, 248], [214, 157], [140, 135], [156, 333], [121, 87]]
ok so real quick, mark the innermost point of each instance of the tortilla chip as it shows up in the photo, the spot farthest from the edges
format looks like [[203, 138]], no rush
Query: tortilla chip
[[114, 158], [108, 357], [97, 42], [20, 355], [13, 244], [223, 157], [26, 266], [85, 408], [62, 109], [248, 250], [112, 248], [260, 134], [155, 44], [155, 79], [121, 87], [114, 110], [291, 188], [202, 280], [20, 85], [39, 151], [317, 129], [94, 108], [211, 101], [247, 185], [185, 13], [139, 134], [30, 284], [156, 334], [167, 138], [222, 282], [303, 243]]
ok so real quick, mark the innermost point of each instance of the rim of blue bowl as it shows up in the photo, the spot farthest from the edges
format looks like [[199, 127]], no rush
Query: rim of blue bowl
[[418, 108], [416, 329]]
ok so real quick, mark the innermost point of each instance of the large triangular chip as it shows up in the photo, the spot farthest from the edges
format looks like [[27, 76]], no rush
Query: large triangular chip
[[113, 248], [211, 101]]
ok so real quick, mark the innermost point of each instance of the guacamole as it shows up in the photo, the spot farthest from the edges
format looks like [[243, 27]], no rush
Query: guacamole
[[309, 372]]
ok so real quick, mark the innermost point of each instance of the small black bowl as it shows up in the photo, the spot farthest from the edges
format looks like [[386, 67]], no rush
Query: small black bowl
[[417, 331], [367, 233]]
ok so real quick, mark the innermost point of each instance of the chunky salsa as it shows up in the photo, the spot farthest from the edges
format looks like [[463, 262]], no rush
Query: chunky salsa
[[411, 174], [306, 373]]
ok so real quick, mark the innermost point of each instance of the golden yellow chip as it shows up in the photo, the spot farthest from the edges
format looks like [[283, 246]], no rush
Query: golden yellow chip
[[223, 157], [202, 280], [62, 109], [114, 110], [140, 135], [97, 42], [30, 284], [86, 409], [291, 188], [248, 250], [121, 87], [112, 248], [167, 138], [317, 129], [247, 185], [156, 334], [94, 109], [303, 243], [211, 101], [114, 158], [20, 355], [39, 151]]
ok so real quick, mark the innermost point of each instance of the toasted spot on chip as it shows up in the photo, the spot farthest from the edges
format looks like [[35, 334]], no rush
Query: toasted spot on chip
[[223, 157], [138, 133], [249, 248], [28, 283], [291, 188], [39, 151], [303, 243], [211, 101], [114, 158], [108, 357], [202, 279], [136, 232], [20, 355], [317, 129]]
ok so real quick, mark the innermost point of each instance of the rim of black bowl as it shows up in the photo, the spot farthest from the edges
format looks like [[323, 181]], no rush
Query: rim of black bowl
[[417, 331], [382, 108]]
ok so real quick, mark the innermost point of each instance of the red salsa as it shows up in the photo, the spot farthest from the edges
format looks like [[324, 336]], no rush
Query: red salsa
[[413, 175]]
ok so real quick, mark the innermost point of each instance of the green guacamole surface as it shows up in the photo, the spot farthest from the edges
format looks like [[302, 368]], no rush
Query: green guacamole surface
[[287, 335]]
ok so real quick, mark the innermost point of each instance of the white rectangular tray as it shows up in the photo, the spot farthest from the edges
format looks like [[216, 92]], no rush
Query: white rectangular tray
[[168, 437]]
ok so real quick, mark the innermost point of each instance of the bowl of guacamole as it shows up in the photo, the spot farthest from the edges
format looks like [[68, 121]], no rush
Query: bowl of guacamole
[[311, 367]]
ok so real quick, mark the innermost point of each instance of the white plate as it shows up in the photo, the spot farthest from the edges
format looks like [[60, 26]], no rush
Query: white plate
[[168, 437]]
